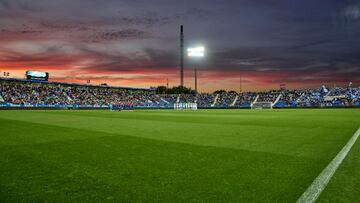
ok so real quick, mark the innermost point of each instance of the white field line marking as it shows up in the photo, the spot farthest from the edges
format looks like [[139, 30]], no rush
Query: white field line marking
[[319, 184]]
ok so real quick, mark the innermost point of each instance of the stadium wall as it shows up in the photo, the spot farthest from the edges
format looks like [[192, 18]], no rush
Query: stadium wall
[[57, 107]]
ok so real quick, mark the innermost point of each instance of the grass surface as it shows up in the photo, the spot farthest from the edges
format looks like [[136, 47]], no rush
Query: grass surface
[[182, 156]]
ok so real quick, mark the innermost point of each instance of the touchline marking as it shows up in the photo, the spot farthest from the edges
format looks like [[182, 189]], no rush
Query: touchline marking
[[319, 184]]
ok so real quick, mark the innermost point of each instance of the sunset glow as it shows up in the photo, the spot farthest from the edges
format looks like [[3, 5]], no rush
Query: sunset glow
[[135, 43]]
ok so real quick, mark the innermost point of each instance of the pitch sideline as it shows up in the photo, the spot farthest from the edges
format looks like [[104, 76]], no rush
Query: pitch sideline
[[318, 185]]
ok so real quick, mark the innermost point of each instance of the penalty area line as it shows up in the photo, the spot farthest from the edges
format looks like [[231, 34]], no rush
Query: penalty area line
[[314, 190]]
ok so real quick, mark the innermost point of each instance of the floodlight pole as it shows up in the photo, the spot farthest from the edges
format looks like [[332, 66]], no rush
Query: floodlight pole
[[182, 56], [195, 53], [196, 86], [240, 83]]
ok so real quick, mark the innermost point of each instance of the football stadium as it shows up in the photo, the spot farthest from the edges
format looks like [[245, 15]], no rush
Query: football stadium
[[263, 103], [71, 142]]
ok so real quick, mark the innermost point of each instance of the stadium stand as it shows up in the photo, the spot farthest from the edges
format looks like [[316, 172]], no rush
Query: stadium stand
[[1, 99], [225, 99], [205, 100], [311, 98], [187, 98], [245, 99], [268, 96], [288, 98], [266, 99], [170, 99], [24, 93]]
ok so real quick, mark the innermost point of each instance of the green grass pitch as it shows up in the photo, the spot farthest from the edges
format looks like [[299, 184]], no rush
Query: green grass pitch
[[176, 156]]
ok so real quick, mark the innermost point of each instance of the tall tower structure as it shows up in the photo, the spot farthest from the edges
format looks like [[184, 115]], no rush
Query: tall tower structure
[[196, 83], [182, 55]]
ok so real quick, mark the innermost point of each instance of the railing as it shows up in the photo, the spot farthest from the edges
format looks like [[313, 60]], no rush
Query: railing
[[215, 100], [235, 100], [256, 98], [276, 101]]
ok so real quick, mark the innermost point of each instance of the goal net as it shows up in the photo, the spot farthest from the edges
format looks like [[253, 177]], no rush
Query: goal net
[[262, 105], [181, 106]]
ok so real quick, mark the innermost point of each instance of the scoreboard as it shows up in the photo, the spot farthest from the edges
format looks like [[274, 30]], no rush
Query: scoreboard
[[36, 75]]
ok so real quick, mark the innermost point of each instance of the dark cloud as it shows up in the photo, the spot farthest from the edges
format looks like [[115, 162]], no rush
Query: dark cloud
[[149, 19], [149, 60], [194, 13], [121, 35], [273, 40], [61, 27], [15, 5], [352, 13]]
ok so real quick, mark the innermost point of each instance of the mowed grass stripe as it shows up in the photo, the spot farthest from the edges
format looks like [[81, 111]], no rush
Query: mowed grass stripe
[[134, 169], [235, 117], [217, 141], [286, 140], [23, 133], [48, 134]]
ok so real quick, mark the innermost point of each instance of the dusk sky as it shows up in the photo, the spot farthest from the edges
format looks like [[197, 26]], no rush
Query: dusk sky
[[302, 43]]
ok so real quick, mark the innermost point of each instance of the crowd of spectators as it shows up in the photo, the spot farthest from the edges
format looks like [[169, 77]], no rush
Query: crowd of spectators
[[245, 99], [30, 93], [170, 98], [338, 92], [226, 99], [205, 100], [270, 96], [311, 98], [354, 93], [187, 98], [289, 97]]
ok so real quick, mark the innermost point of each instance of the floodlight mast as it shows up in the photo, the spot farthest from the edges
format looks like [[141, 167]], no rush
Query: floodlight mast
[[196, 88], [196, 52], [182, 56]]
